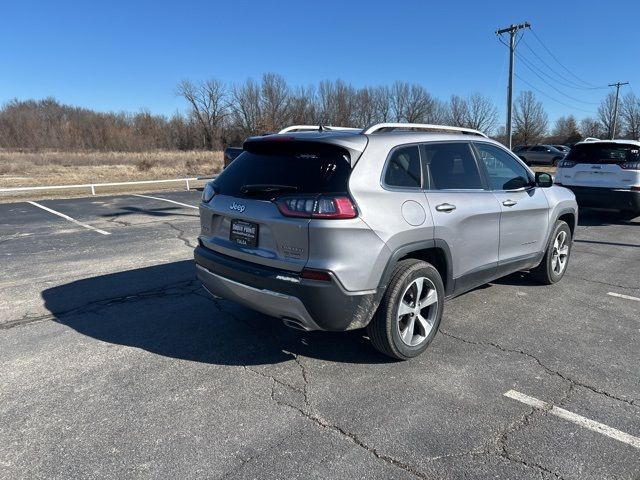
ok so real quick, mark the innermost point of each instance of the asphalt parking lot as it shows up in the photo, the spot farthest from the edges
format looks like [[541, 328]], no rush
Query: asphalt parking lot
[[115, 363]]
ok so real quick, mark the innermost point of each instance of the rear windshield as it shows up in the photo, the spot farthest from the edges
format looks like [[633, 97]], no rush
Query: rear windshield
[[604, 153], [268, 175]]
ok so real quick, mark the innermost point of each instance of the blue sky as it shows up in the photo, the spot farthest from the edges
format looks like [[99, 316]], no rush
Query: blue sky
[[116, 55]]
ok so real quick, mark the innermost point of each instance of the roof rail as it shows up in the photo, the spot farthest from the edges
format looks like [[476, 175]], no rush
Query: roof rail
[[311, 128], [420, 126]]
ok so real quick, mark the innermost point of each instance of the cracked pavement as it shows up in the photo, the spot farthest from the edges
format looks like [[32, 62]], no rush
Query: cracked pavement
[[116, 363]]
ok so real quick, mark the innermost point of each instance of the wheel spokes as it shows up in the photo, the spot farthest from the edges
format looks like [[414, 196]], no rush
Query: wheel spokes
[[417, 311], [404, 308], [429, 299], [407, 333]]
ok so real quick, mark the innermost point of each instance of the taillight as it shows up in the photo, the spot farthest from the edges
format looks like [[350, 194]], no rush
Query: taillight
[[630, 165], [317, 207], [319, 275], [566, 164]]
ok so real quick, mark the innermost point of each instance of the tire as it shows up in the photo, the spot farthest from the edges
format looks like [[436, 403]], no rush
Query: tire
[[552, 267], [404, 336]]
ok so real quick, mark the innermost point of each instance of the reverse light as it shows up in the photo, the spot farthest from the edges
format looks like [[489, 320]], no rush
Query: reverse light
[[566, 164], [327, 207]]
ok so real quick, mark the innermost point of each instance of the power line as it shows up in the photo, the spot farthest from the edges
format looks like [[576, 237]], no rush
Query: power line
[[526, 64], [571, 84], [551, 77], [559, 62], [553, 98]]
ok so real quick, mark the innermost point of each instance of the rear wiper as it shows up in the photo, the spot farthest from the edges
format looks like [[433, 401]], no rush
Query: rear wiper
[[266, 188]]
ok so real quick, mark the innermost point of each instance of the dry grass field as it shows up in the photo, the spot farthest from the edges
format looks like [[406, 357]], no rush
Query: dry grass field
[[25, 169]]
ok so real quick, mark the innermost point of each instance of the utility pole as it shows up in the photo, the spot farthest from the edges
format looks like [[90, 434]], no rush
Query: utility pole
[[511, 30], [615, 107]]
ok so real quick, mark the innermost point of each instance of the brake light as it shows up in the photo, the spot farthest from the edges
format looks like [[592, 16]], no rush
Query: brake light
[[635, 189], [317, 207], [566, 164], [319, 275], [630, 165]]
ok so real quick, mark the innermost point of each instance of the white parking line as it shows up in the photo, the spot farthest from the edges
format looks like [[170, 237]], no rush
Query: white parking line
[[165, 200], [620, 295], [575, 418], [67, 217]]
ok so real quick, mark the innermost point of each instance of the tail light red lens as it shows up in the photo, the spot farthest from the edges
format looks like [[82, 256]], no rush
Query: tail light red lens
[[319, 275], [317, 207]]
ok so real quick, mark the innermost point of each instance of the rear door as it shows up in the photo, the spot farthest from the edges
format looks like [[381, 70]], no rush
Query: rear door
[[465, 215], [524, 220], [244, 221], [601, 165]]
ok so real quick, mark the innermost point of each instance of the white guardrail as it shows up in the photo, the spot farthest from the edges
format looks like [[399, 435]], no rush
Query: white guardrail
[[93, 186]]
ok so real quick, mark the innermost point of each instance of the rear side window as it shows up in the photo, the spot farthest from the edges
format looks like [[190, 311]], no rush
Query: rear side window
[[604, 153], [269, 174], [403, 168], [451, 167]]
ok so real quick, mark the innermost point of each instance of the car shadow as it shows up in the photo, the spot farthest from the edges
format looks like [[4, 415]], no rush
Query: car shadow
[[163, 309], [154, 212], [593, 217]]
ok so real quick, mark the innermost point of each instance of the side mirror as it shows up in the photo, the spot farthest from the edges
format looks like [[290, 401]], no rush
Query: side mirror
[[544, 180]]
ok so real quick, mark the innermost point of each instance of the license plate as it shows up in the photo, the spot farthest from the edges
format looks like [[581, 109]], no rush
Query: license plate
[[244, 233]]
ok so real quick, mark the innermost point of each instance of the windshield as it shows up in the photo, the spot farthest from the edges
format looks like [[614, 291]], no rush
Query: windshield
[[604, 153]]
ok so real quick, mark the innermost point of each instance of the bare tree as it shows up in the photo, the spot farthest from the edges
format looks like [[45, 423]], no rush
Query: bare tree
[[630, 114], [482, 113], [246, 107], [208, 102], [303, 106], [336, 103], [606, 115], [530, 119], [476, 111], [457, 111], [275, 99], [565, 130], [590, 127]]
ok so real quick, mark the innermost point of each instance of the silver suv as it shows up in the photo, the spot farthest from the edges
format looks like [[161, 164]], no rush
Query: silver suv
[[338, 230]]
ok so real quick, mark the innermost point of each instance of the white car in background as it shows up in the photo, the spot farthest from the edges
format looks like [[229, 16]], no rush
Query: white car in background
[[603, 174]]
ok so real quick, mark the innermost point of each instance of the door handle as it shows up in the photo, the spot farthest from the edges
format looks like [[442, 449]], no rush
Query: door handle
[[445, 207], [509, 203]]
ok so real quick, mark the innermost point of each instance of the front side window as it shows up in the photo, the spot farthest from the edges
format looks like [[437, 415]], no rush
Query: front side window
[[505, 172], [403, 168], [451, 167]]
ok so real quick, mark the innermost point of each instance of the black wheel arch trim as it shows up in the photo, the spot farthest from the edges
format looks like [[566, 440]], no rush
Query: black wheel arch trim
[[432, 244], [562, 212]]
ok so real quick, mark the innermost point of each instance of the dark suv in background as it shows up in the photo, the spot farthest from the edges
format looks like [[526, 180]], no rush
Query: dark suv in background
[[540, 154]]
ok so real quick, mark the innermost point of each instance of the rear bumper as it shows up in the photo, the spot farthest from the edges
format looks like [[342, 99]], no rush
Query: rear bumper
[[606, 197], [312, 305]]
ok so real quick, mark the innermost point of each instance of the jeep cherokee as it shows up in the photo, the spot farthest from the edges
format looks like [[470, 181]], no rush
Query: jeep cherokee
[[339, 230]]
